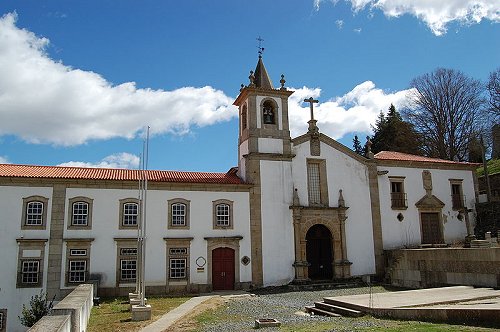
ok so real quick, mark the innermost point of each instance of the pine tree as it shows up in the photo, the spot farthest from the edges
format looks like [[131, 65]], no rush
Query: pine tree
[[392, 133], [357, 147]]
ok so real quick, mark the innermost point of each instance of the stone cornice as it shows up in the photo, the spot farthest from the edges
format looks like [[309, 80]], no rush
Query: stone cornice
[[246, 91]]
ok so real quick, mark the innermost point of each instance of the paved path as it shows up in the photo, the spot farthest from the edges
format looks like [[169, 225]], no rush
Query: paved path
[[174, 315], [423, 297]]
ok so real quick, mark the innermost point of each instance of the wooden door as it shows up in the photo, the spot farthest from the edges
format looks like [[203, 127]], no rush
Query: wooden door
[[223, 269], [431, 231], [319, 253]]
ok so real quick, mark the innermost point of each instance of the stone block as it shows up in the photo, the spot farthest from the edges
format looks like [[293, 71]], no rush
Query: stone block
[[141, 313]]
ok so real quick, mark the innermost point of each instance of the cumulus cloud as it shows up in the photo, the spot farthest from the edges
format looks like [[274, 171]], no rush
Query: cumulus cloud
[[353, 112], [46, 101], [117, 160], [4, 160], [435, 14], [340, 24]]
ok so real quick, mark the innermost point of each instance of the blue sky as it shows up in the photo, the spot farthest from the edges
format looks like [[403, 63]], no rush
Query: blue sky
[[79, 80]]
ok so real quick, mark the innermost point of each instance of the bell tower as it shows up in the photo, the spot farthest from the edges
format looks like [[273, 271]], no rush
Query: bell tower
[[263, 117], [265, 162]]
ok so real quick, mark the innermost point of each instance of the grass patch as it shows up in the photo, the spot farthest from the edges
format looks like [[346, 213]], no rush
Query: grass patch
[[113, 313], [493, 167]]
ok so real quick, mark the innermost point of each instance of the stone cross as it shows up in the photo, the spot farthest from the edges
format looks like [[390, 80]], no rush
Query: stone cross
[[311, 102]]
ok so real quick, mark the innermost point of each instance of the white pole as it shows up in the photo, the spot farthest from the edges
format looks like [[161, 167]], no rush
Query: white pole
[[146, 152]]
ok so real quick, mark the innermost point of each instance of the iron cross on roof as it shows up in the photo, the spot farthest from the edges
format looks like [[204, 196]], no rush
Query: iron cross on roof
[[261, 49], [311, 102]]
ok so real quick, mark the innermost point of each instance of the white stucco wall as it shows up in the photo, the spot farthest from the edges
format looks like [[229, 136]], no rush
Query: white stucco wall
[[407, 233], [11, 205], [348, 174], [278, 253], [105, 222], [270, 145]]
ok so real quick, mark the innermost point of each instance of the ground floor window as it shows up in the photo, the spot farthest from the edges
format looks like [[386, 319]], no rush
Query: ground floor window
[[177, 260], [128, 269], [77, 261], [30, 263], [178, 268], [3, 320], [30, 272]]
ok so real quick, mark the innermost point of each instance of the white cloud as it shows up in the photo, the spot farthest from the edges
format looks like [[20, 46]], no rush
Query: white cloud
[[118, 160], [340, 24], [4, 160], [45, 101], [357, 30], [436, 14], [350, 113]]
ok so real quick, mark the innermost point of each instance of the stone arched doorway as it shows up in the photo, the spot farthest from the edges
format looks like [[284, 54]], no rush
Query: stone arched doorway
[[319, 252]]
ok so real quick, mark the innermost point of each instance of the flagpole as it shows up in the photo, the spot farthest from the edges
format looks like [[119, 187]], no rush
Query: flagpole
[[144, 223]]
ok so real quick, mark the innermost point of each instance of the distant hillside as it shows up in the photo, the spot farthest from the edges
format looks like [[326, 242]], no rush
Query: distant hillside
[[493, 167]]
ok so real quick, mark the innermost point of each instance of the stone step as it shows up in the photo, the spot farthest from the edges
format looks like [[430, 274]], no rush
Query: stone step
[[338, 309], [312, 309]]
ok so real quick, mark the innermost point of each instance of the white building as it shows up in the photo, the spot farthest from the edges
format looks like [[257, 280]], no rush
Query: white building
[[294, 210]]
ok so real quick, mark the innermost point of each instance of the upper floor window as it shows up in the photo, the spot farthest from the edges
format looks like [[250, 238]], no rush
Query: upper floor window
[[34, 212], [457, 195], [178, 213], [317, 186], [398, 195], [223, 214], [80, 214], [268, 112], [129, 213]]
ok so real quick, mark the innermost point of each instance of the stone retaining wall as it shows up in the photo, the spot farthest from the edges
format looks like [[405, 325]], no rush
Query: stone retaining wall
[[434, 267], [71, 314]]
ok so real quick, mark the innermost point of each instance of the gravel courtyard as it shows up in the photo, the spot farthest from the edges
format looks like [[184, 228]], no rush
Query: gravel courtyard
[[239, 313]]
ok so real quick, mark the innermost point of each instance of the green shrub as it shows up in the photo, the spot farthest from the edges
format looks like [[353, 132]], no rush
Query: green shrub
[[39, 307]]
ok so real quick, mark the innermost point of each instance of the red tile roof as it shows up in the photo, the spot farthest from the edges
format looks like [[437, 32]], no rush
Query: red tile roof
[[399, 156], [57, 172]]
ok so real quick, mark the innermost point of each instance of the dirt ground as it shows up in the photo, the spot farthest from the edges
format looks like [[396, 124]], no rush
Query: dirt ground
[[188, 322]]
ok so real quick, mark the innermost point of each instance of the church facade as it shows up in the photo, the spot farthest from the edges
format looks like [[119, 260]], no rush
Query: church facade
[[294, 210]]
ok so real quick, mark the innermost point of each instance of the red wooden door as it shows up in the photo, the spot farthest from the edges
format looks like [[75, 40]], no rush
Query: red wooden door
[[223, 269]]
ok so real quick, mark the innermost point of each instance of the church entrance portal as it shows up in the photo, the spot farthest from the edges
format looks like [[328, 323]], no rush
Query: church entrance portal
[[319, 252]]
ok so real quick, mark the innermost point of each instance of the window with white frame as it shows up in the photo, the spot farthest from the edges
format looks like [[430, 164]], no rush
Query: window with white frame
[[30, 270], [77, 261], [77, 271], [31, 253], [80, 213], [222, 214], [177, 262], [178, 213], [130, 213], [128, 264], [177, 268], [34, 212]]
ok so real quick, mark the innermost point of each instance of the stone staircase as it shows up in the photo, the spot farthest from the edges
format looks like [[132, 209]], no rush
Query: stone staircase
[[333, 308]]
